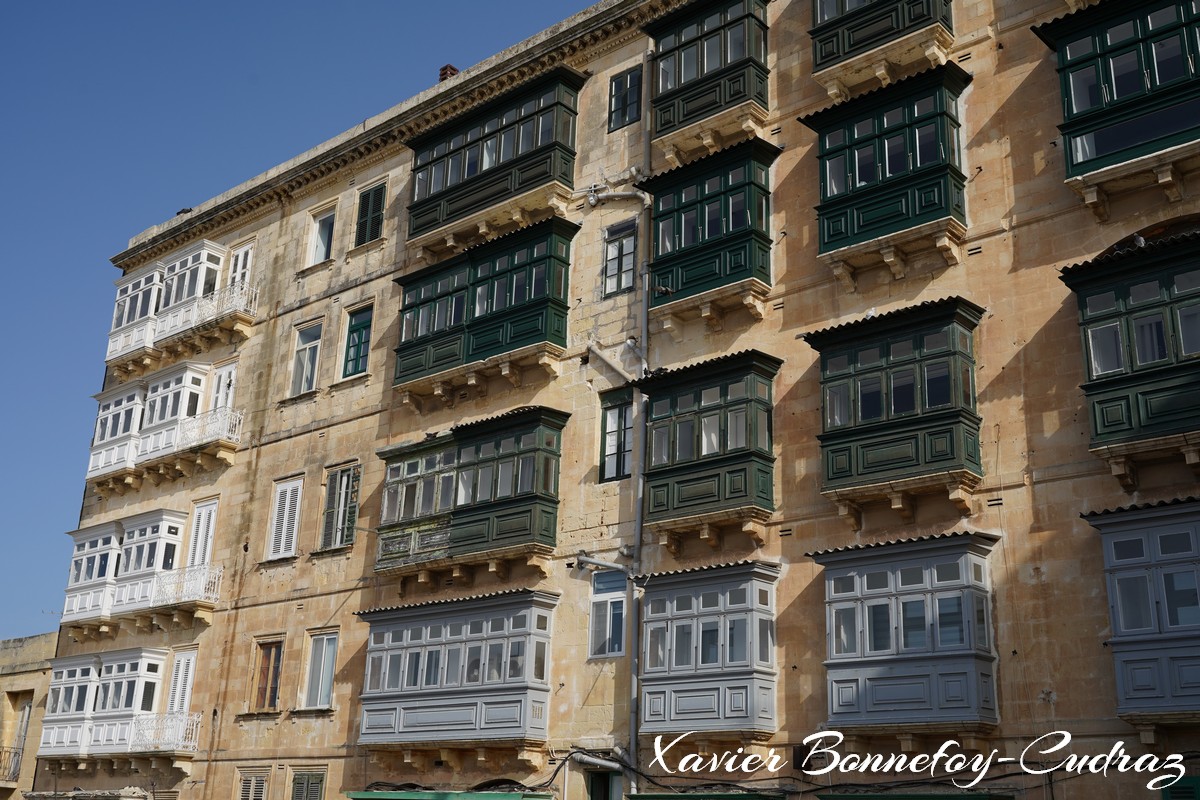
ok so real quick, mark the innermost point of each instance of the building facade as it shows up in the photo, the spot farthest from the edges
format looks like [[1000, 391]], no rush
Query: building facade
[[716, 372], [24, 681]]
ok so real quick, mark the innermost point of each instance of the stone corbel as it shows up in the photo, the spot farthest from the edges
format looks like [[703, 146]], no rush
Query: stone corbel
[[452, 243], [672, 155], [536, 759], [960, 496], [499, 567], [845, 276], [902, 505], [1170, 181], [160, 765], [556, 203], [851, 513], [836, 90], [410, 400], [184, 468], [948, 248], [415, 759], [672, 326], [511, 373], [444, 392], [885, 72], [207, 462], [895, 261], [670, 541], [425, 578], [710, 535], [476, 384], [1095, 199], [909, 742], [540, 563], [550, 364], [1124, 470], [753, 304], [934, 52], [161, 621], [714, 318], [520, 216], [203, 616], [155, 477], [132, 482], [181, 618], [1191, 456], [451, 758], [485, 230], [463, 574], [756, 531], [711, 140]]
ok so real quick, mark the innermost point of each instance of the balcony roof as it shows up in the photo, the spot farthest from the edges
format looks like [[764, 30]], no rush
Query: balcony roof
[[929, 311], [747, 148], [990, 538], [532, 594], [455, 432], [484, 249], [1128, 249], [742, 359], [1067, 24], [1178, 501], [768, 566], [949, 75]]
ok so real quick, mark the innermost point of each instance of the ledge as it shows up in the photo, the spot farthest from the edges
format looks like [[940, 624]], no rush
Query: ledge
[[296, 399], [304, 272], [358, 377], [504, 216], [1149, 722], [267, 563], [366, 247], [971, 734], [168, 467], [919, 49], [466, 753], [710, 527], [325, 711], [230, 327], [182, 615], [895, 249], [135, 363], [1164, 169], [341, 549], [711, 306], [461, 567], [470, 380], [746, 120], [1122, 459], [959, 485], [250, 716], [157, 763]]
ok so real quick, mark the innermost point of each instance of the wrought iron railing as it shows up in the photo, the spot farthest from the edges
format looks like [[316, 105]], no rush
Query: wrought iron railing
[[231, 299], [220, 424], [202, 583], [10, 763], [171, 732]]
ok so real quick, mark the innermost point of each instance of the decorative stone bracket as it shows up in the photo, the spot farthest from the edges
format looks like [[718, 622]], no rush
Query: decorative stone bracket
[[1164, 169], [470, 381], [711, 306], [711, 528], [958, 485], [707, 136], [894, 251], [924, 48], [1122, 459]]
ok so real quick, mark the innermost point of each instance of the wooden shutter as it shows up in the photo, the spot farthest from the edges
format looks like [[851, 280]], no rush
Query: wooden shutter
[[254, 787], [308, 786], [179, 697], [370, 215], [1185, 789], [341, 506], [200, 544], [285, 518]]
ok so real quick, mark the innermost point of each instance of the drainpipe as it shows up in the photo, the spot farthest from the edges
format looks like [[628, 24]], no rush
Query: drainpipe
[[640, 408]]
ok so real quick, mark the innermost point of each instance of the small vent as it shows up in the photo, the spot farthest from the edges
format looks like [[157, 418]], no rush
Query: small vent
[[974, 251], [777, 306], [774, 131], [785, 532], [995, 501], [964, 57]]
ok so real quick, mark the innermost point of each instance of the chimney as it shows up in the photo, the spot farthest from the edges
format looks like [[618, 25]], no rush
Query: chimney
[[447, 72]]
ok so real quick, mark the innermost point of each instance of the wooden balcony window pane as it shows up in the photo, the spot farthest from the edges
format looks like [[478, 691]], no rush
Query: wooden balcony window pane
[[904, 391], [681, 655], [879, 627], [937, 384], [1104, 343], [1150, 339], [1133, 603], [870, 399], [950, 622], [1183, 602], [845, 628], [914, 631], [1126, 74]]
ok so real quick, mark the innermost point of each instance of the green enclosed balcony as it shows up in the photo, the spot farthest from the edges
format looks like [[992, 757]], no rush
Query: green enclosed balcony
[[1130, 74], [484, 493], [899, 408], [710, 77], [1139, 314], [861, 43], [509, 163], [712, 237], [892, 183], [498, 309], [710, 461]]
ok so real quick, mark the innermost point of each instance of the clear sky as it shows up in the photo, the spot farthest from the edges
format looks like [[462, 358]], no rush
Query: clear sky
[[115, 116]]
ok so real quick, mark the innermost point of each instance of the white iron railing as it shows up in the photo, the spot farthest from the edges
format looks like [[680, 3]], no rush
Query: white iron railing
[[201, 583], [173, 732], [220, 424], [231, 299], [10, 763]]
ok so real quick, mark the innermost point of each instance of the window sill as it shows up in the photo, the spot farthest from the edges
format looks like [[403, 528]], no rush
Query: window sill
[[366, 248], [341, 549], [279, 561], [311, 269], [296, 399], [360, 377], [247, 716], [320, 711]]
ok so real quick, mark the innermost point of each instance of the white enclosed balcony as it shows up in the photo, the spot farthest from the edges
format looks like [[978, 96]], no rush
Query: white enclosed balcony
[[219, 315]]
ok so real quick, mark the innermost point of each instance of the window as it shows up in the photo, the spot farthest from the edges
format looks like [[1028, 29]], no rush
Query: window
[[725, 34], [849, 28], [341, 506], [707, 421], [829, 9], [603, 786], [358, 341], [497, 468], [122, 683], [94, 559], [239, 264], [304, 367], [370, 214], [1142, 322], [269, 659], [137, 300], [521, 125], [252, 786], [711, 205], [285, 519], [625, 99], [190, 276], [322, 663], [620, 253], [608, 614], [616, 435], [1129, 82], [322, 236], [308, 786], [905, 617]]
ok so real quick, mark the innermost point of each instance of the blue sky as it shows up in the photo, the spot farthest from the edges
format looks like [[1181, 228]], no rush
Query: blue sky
[[117, 115]]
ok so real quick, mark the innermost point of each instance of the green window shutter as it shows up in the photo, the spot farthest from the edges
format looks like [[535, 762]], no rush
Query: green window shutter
[[370, 215], [352, 507], [1185, 789], [308, 786]]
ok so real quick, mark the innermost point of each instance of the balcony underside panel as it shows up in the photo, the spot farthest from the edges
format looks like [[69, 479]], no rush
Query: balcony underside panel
[[942, 689], [500, 714]]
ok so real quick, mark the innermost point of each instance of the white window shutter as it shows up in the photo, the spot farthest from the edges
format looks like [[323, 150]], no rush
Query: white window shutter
[[179, 698], [285, 518], [200, 544]]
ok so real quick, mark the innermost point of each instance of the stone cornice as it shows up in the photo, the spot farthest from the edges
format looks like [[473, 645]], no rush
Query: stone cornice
[[572, 42]]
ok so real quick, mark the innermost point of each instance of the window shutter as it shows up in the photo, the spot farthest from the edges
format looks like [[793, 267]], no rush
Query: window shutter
[[307, 786], [1185, 789], [370, 215], [347, 532], [200, 546], [329, 530], [376, 228], [285, 518], [179, 697], [254, 787]]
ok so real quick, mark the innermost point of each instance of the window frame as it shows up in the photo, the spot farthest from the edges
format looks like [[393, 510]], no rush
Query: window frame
[[308, 784], [372, 204], [340, 517], [358, 340], [676, 428], [670, 63], [284, 529], [625, 98], [681, 219], [253, 783], [608, 616], [305, 367], [321, 669], [268, 674], [620, 258], [616, 444], [321, 249]]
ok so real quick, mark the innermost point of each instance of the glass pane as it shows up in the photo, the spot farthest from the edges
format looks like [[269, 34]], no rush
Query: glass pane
[[845, 627], [1085, 89], [864, 165], [950, 621], [1183, 603], [1150, 339], [685, 440], [735, 641], [1126, 74], [710, 636], [1189, 330], [937, 384], [1144, 292], [835, 175], [1104, 342], [879, 627], [736, 429], [904, 390], [1169, 63], [1105, 301], [710, 434], [1128, 549], [1133, 602], [656, 644], [682, 646], [926, 145], [870, 399], [895, 155], [915, 634], [837, 405]]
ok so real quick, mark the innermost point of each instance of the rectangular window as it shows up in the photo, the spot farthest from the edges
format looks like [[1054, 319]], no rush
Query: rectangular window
[[266, 681], [304, 366], [252, 787], [608, 614], [341, 506], [358, 341], [625, 99], [308, 786], [370, 214], [620, 253], [322, 236], [322, 659], [285, 519], [617, 441]]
